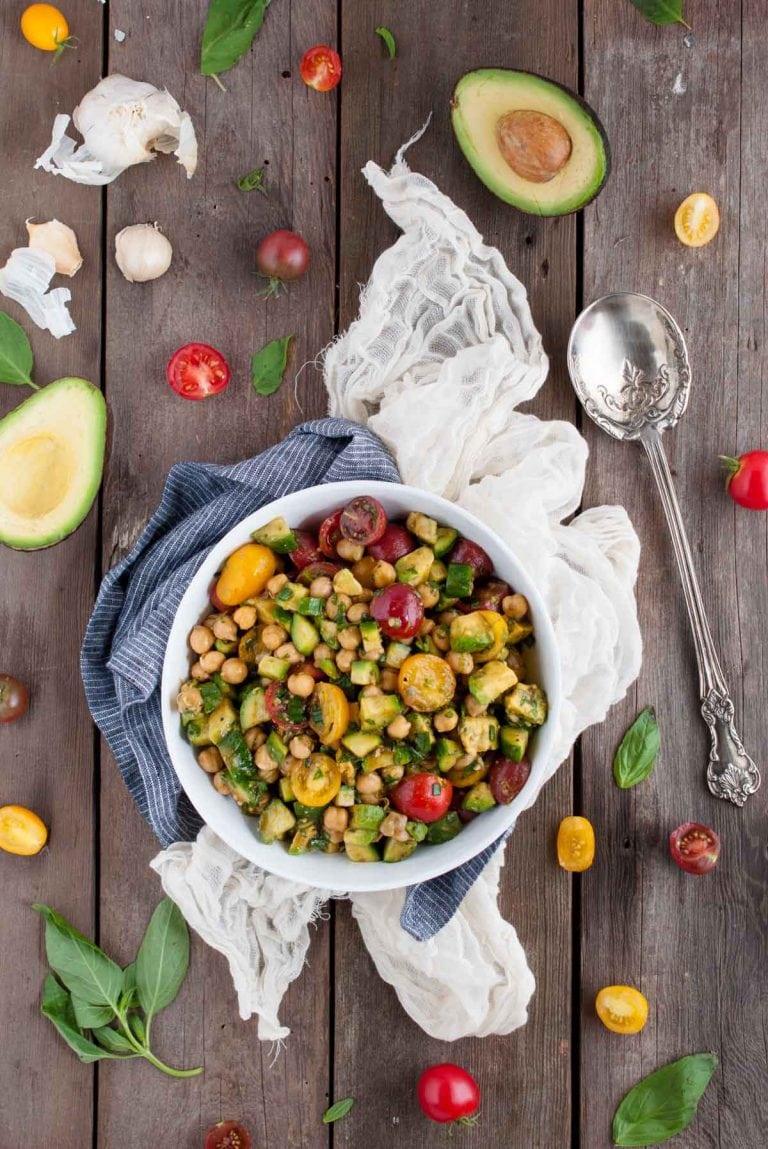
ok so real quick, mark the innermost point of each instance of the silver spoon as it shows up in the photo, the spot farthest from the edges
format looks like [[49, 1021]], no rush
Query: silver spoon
[[629, 365]]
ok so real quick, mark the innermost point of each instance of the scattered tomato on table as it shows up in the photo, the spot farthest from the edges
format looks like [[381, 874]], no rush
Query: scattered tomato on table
[[747, 481], [575, 844], [228, 1135], [14, 699], [447, 1093], [622, 1008], [694, 847], [21, 831], [197, 370], [46, 28], [321, 68], [697, 220], [281, 257]]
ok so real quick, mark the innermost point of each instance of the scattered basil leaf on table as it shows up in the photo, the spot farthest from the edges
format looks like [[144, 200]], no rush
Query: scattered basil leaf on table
[[268, 366], [389, 40], [636, 755], [90, 1016], [163, 958], [338, 1110], [253, 181], [85, 970], [15, 353], [57, 1007], [664, 1103], [661, 11], [230, 29]]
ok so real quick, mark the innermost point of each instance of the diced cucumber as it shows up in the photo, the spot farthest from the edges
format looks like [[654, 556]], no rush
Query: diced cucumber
[[250, 648], [446, 537], [380, 759], [286, 790], [266, 609], [417, 830], [513, 742], [313, 607], [422, 527], [225, 645], [275, 668], [290, 595], [402, 755], [283, 617], [253, 708], [413, 569], [329, 633], [395, 851], [276, 535], [397, 652], [275, 821], [276, 747], [365, 817], [489, 682], [361, 744], [344, 582], [212, 696], [425, 644], [329, 667], [221, 721], [459, 580], [370, 634], [448, 753], [364, 673], [234, 750], [248, 790], [196, 732], [357, 853], [306, 832], [304, 634], [444, 828], [378, 711], [308, 813]]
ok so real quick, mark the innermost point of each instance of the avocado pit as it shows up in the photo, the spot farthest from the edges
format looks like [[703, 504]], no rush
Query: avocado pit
[[534, 145]]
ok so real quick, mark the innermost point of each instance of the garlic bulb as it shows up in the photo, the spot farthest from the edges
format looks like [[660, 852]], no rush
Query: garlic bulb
[[59, 241], [142, 252]]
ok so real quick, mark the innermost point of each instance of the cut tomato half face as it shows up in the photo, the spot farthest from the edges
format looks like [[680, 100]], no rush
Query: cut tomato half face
[[697, 220], [575, 844], [197, 371], [621, 1008], [694, 847], [21, 831]]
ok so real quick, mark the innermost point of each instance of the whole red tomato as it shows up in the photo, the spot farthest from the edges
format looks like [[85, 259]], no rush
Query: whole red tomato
[[281, 256], [447, 1092], [423, 796], [321, 68], [747, 481]]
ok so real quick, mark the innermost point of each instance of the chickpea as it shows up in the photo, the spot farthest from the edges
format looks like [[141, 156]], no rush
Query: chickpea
[[427, 626], [363, 571], [399, 727], [357, 612], [220, 783], [460, 663], [321, 587], [301, 746], [388, 681], [263, 758], [347, 777], [371, 692], [393, 826], [428, 594], [201, 639], [447, 617], [437, 572], [337, 604], [289, 652], [198, 673], [302, 686], [273, 636], [344, 660], [210, 760], [209, 621], [212, 661], [516, 662], [270, 775], [225, 628], [350, 551], [245, 617], [515, 606], [350, 637], [336, 819], [393, 774], [441, 638], [189, 699], [276, 583], [335, 836], [321, 652], [473, 707], [254, 738], [445, 720], [370, 787], [364, 596], [287, 765], [234, 671], [383, 574]]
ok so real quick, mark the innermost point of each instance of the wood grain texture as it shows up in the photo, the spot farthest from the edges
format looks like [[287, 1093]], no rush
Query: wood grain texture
[[45, 598], [695, 947]]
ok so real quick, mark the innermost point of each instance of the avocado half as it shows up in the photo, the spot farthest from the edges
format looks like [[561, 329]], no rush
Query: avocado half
[[533, 143], [51, 462]]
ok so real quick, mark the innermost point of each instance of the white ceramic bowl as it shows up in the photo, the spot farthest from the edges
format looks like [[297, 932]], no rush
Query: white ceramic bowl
[[335, 871]]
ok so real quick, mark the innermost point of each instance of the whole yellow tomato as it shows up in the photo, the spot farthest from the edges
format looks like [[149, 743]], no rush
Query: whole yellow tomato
[[575, 844], [245, 573], [45, 27]]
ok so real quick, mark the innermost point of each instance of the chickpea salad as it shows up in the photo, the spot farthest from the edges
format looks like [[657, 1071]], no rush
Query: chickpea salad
[[364, 688]]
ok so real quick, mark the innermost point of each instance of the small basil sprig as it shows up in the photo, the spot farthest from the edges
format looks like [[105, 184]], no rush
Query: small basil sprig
[[661, 11], [230, 28], [338, 1110], [15, 354], [389, 40], [664, 1103], [253, 181], [91, 994], [268, 366], [636, 755]]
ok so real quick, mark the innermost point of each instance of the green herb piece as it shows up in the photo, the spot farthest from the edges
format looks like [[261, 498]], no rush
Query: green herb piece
[[113, 1040], [15, 353], [636, 755], [91, 1016], [230, 28], [84, 969], [664, 1103], [163, 959], [338, 1110], [57, 1007], [254, 181], [661, 11], [268, 366], [389, 40]]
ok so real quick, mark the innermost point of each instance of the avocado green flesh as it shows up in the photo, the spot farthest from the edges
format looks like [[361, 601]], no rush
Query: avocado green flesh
[[51, 461], [481, 98]]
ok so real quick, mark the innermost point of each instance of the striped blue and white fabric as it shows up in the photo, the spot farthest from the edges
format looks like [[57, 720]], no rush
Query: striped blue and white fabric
[[124, 646]]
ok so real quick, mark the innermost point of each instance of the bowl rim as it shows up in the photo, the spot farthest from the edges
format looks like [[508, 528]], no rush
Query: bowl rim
[[342, 875]]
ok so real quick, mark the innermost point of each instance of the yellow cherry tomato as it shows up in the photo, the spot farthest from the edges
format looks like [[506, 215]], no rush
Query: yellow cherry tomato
[[697, 220], [426, 682], [500, 630], [315, 780], [245, 573], [575, 844], [21, 831], [621, 1008], [328, 713], [463, 776], [44, 27]]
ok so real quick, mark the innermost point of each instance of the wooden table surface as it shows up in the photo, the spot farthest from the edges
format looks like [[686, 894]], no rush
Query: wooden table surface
[[680, 117]]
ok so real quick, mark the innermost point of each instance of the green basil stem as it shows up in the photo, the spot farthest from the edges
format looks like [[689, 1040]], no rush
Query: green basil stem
[[217, 81], [146, 1053]]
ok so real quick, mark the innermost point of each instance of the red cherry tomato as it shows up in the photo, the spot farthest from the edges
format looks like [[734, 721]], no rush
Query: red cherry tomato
[[281, 256], [197, 370], [507, 778], [287, 711], [317, 570], [470, 553], [423, 796], [321, 68], [448, 1093], [228, 1135], [393, 544], [363, 521], [307, 550], [330, 534], [747, 481], [398, 610], [489, 595], [694, 847], [215, 600], [14, 699]]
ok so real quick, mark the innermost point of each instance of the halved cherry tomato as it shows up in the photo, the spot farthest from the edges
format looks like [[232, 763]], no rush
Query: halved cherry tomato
[[44, 27], [621, 1008], [694, 847], [747, 481], [215, 600], [321, 68], [330, 534], [489, 595], [328, 713], [14, 699], [498, 627], [426, 682], [697, 220], [468, 552], [507, 779], [287, 711], [307, 550], [393, 544], [575, 844], [363, 521], [398, 610], [228, 1135], [448, 1093], [315, 780], [464, 776], [197, 370], [423, 796], [245, 573], [315, 570], [21, 831]]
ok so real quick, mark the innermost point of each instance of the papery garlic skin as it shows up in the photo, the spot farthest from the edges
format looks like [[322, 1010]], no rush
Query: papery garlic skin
[[58, 240], [142, 252], [26, 278]]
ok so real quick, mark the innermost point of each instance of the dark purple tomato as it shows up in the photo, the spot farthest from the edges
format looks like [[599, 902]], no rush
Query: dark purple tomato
[[317, 570], [307, 550], [489, 595], [363, 521], [393, 544], [14, 699], [398, 610], [281, 257], [507, 779], [470, 553]]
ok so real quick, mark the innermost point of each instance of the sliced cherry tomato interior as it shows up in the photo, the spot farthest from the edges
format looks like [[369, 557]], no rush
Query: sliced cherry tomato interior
[[321, 68], [228, 1135], [330, 534], [621, 1008], [287, 711], [694, 847], [197, 370], [363, 521], [697, 220]]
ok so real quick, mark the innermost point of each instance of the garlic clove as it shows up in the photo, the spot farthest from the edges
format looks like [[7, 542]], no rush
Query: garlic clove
[[58, 240], [142, 252]]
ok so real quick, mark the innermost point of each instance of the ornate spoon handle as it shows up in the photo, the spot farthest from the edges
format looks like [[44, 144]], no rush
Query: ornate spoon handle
[[731, 773]]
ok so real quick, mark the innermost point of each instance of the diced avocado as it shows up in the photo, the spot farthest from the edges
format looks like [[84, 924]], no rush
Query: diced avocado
[[397, 652], [478, 798], [360, 837], [276, 747], [479, 734], [444, 828], [312, 814], [518, 631], [417, 830], [225, 646], [275, 668], [471, 633], [362, 853], [221, 721], [378, 711], [421, 735], [196, 732], [489, 682], [365, 817], [413, 568], [395, 851], [380, 759], [425, 644], [276, 535], [250, 648], [448, 753], [329, 667], [459, 581], [285, 787], [370, 634], [304, 634], [364, 673], [526, 705], [234, 750], [306, 832], [346, 796], [275, 821], [361, 744], [329, 632], [422, 527], [250, 793], [344, 582], [212, 696], [513, 742], [266, 609], [253, 708], [446, 537], [290, 595], [314, 607]]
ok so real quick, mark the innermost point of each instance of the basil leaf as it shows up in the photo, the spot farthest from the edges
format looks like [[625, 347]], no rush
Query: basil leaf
[[661, 11], [389, 40], [663, 1104], [230, 28], [113, 1040], [163, 958], [85, 970], [338, 1109], [57, 1007], [90, 1016], [268, 366], [15, 353], [253, 181], [636, 755]]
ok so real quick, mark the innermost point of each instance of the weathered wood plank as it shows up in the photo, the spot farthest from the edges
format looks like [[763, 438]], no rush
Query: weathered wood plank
[[45, 598], [695, 947], [266, 118], [379, 1053]]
